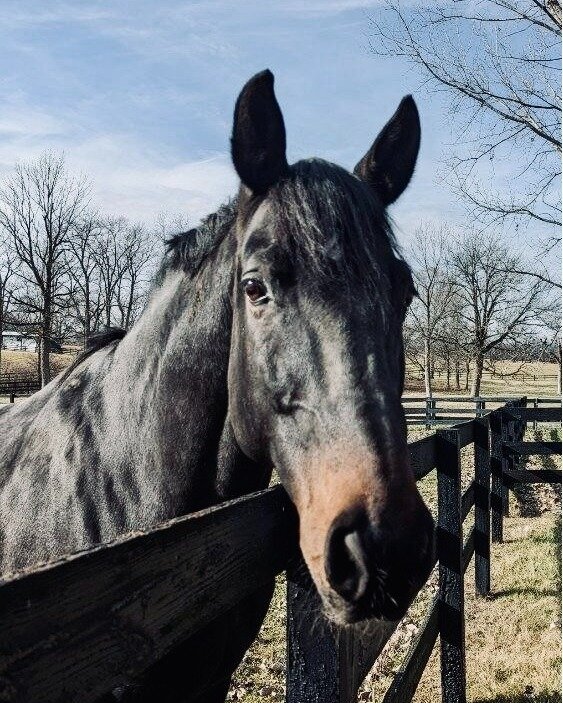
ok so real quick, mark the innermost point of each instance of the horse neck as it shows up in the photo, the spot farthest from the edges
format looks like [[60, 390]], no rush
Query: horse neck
[[168, 385]]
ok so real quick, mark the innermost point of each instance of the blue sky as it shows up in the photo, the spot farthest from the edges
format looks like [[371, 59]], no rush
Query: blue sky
[[139, 94]]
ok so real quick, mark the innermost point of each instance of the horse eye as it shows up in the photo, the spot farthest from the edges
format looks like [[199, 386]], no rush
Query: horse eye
[[255, 290]]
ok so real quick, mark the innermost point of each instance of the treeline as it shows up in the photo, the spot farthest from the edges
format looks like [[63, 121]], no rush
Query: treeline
[[476, 306], [65, 270]]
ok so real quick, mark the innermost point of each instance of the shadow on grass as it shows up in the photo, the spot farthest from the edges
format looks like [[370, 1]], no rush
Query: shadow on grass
[[546, 697], [535, 592]]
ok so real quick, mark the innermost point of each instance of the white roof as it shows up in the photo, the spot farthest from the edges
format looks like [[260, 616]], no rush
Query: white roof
[[16, 334]]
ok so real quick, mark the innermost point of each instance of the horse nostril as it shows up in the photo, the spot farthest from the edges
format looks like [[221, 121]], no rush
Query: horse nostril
[[346, 559]]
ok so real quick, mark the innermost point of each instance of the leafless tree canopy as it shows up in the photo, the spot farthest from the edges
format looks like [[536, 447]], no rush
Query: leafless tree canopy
[[431, 311], [39, 205], [499, 61], [66, 271], [473, 303]]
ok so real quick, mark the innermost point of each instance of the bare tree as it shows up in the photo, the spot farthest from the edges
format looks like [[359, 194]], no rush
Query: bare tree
[[497, 306], [166, 225], [111, 265], [7, 271], [39, 205], [436, 292], [86, 297], [124, 257], [499, 62], [138, 256], [551, 339]]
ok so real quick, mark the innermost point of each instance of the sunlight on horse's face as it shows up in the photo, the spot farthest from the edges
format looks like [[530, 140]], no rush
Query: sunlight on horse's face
[[316, 368]]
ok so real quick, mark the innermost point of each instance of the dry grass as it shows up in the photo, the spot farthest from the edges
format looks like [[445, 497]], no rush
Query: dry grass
[[534, 379], [513, 640], [25, 363]]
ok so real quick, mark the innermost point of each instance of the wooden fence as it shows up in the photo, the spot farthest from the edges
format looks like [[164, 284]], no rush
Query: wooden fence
[[449, 409], [17, 385], [75, 629]]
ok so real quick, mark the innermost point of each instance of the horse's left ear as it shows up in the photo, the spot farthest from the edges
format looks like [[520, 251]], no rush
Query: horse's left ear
[[258, 141], [389, 163]]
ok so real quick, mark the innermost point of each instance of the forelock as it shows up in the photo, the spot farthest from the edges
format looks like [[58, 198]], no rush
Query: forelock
[[330, 222]]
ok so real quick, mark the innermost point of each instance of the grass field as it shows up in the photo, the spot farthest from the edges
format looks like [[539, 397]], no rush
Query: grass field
[[534, 379], [16, 362]]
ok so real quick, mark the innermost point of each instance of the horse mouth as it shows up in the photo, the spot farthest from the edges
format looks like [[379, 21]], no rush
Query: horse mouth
[[380, 607]]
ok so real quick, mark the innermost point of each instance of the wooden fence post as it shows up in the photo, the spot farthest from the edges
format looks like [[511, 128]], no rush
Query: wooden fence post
[[450, 558], [320, 661], [482, 507], [496, 425], [508, 435], [430, 412]]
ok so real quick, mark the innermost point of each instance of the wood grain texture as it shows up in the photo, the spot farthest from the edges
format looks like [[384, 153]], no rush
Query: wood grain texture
[[75, 629]]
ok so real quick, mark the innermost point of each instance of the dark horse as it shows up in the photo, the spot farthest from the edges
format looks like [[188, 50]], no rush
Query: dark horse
[[272, 338]]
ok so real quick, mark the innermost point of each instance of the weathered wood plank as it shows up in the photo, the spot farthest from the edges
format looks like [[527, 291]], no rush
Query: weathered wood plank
[[534, 448], [537, 414], [467, 500], [325, 662], [465, 433], [423, 456], [482, 507], [408, 677], [468, 549], [532, 476], [450, 572], [75, 629]]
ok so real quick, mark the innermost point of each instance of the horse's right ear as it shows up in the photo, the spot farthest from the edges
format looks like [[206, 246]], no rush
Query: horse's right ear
[[258, 141]]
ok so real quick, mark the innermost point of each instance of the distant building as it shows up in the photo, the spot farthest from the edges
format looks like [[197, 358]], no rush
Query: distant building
[[18, 341]]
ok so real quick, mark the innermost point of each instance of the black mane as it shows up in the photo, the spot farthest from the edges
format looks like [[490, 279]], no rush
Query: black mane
[[95, 342], [188, 250], [327, 220]]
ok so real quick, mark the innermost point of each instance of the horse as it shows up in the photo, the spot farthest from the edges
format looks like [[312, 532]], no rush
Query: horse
[[272, 338]]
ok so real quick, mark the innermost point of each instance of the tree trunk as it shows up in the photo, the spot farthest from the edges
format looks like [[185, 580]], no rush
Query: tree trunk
[[87, 320], [1, 331], [467, 370], [39, 359], [427, 369], [478, 375], [45, 347], [448, 371], [457, 375]]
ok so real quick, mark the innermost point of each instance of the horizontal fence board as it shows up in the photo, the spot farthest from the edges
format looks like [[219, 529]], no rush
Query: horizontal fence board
[[468, 549], [439, 422], [73, 630], [466, 431], [453, 411], [467, 500], [537, 414], [423, 456], [534, 448], [408, 677], [532, 476]]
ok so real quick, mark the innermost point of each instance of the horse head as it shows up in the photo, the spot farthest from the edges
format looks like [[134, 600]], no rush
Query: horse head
[[316, 366]]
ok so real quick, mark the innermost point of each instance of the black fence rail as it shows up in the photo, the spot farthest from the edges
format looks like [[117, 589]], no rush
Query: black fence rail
[[449, 410], [18, 384], [75, 629]]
